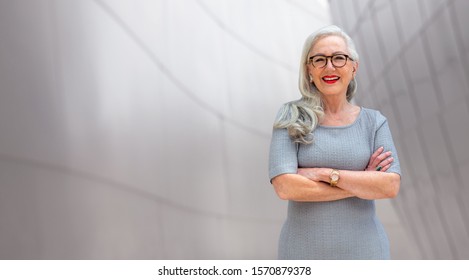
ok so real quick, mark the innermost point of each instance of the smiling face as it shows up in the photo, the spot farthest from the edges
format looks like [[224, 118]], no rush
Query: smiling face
[[330, 80]]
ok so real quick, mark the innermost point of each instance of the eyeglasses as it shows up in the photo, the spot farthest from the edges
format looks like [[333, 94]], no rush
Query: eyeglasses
[[337, 60]]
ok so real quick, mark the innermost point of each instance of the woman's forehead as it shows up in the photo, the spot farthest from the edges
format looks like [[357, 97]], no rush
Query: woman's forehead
[[329, 45]]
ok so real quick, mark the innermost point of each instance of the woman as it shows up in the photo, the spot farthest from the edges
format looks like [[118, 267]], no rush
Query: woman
[[322, 160]]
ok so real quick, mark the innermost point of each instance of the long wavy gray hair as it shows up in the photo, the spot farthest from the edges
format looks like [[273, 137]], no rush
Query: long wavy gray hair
[[302, 116]]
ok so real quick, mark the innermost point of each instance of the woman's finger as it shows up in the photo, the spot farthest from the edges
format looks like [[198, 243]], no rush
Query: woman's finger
[[385, 164], [379, 160], [382, 157], [372, 162], [384, 169]]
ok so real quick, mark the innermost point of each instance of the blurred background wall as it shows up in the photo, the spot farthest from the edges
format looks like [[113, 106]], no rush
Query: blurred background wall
[[140, 129], [415, 69]]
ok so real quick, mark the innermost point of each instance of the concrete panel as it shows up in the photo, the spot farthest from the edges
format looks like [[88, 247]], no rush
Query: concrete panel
[[361, 5], [382, 93], [192, 235], [406, 112], [374, 52], [364, 68], [247, 239], [419, 224], [410, 17], [453, 211], [426, 95], [348, 15], [397, 78], [389, 34], [249, 193], [70, 217], [417, 61], [430, 7], [402, 245], [456, 123], [433, 135], [458, 13], [421, 172]]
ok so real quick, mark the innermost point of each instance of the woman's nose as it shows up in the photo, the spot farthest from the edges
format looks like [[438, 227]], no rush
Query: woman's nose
[[329, 63]]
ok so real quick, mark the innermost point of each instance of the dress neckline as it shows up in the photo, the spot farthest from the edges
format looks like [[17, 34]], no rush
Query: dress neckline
[[347, 125]]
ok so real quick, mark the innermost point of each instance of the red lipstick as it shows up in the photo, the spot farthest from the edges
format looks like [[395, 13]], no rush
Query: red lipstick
[[330, 79]]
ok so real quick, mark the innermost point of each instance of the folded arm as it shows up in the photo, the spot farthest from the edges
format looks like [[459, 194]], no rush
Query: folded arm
[[312, 184], [368, 184], [299, 188], [363, 184]]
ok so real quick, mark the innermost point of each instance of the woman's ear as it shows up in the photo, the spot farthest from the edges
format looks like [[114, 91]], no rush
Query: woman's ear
[[354, 69]]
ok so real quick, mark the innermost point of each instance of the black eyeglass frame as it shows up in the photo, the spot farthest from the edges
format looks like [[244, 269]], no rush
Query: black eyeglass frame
[[329, 57]]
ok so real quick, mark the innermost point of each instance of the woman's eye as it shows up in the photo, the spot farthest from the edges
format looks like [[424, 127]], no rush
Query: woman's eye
[[339, 58], [319, 59]]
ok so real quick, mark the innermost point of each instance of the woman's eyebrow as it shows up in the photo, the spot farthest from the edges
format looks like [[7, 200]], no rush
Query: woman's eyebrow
[[337, 52]]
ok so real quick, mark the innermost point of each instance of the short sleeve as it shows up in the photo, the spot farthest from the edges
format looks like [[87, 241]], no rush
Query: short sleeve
[[283, 156], [383, 138]]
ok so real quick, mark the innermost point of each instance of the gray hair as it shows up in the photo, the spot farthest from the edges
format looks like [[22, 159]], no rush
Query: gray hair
[[302, 116]]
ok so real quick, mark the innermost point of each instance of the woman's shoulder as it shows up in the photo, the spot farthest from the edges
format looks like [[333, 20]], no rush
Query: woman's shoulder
[[287, 109], [373, 116]]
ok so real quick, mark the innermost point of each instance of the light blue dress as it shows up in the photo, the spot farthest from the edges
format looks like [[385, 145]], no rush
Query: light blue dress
[[342, 229]]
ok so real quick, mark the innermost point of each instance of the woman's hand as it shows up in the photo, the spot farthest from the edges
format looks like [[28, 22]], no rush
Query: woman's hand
[[380, 161]]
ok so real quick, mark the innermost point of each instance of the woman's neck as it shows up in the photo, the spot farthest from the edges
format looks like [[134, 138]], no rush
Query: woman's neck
[[336, 105], [338, 112]]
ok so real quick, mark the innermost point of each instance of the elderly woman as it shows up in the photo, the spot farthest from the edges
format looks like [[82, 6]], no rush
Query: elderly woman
[[331, 159]]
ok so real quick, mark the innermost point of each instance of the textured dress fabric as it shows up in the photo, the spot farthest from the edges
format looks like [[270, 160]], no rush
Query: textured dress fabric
[[342, 229]]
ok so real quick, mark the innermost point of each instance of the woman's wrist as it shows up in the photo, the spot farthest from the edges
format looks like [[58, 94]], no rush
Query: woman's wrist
[[326, 174]]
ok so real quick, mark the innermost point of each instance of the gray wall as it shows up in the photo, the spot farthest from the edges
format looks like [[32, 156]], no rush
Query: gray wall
[[140, 129], [415, 69]]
